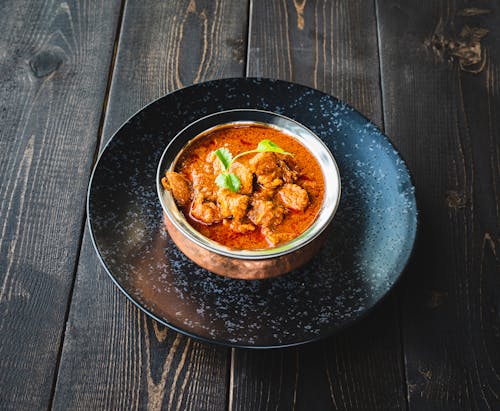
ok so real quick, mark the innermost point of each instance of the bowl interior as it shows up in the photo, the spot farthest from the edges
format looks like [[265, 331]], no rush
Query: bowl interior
[[306, 137]]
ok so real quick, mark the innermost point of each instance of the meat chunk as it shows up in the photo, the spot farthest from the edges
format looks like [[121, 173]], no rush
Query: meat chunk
[[265, 166], [238, 226], [245, 176], [233, 208], [266, 214], [232, 204], [293, 197], [310, 186], [269, 181], [204, 184], [179, 186], [205, 211], [214, 161], [289, 174], [264, 194], [264, 163], [276, 238]]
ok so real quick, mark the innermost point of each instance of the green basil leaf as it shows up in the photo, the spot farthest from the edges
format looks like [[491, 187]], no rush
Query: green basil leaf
[[229, 181], [221, 180], [224, 156], [234, 182], [267, 146]]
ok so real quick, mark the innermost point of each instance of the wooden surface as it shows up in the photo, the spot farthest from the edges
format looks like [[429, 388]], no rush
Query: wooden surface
[[72, 72], [54, 62], [444, 117]]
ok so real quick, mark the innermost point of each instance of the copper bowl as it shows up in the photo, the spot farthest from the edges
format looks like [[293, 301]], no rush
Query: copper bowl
[[248, 264]]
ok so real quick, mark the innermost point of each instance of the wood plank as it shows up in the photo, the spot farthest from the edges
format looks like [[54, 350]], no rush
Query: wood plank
[[113, 356], [54, 62], [443, 113], [331, 46]]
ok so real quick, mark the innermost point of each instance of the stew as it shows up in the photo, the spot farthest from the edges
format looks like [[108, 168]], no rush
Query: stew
[[252, 200]]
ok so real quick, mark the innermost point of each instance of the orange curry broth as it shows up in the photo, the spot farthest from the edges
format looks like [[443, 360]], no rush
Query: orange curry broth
[[238, 139]]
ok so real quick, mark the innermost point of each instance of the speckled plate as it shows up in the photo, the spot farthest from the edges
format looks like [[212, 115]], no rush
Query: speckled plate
[[368, 244]]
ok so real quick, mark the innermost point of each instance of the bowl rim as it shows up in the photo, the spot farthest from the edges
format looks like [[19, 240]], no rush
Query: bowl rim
[[322, 221]]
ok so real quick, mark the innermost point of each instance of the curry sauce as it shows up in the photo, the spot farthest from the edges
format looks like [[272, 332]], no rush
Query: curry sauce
[[278, 197]]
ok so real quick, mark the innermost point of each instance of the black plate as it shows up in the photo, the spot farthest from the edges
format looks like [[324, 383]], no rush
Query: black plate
[[368, 245]]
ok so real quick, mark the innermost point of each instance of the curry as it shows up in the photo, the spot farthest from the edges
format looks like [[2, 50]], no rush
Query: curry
[[246, 198]]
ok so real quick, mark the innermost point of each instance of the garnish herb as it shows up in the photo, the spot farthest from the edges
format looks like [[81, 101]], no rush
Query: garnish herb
[[230, 180], [225, 157], [265, 146]]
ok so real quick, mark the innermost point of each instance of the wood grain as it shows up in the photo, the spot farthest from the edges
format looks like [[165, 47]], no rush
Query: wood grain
[[331, 46], [166, 47], [441, 82], [352, 371], [54, 61], [113, 356]]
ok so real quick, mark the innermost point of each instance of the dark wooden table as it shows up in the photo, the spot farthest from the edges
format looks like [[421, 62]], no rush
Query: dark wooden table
[[71, 72]]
